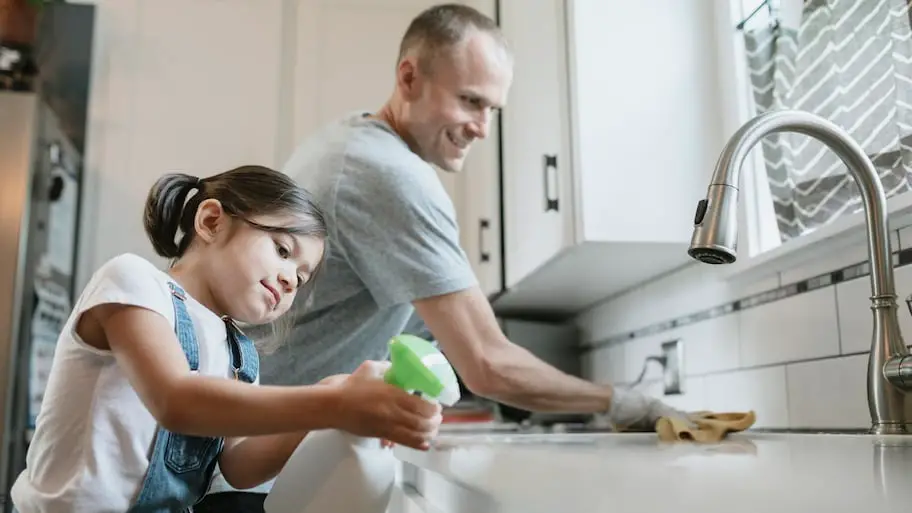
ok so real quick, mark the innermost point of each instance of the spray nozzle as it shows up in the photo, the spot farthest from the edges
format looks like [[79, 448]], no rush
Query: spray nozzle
[[418, 366]]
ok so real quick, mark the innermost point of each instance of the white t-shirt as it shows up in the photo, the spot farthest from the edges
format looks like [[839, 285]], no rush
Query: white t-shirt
[[90, 449]]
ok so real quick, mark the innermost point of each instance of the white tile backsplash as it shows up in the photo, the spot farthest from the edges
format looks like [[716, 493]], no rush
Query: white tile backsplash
[[693, 396], [797, 328], [853, 254], [829, 393], [856, 321], [761, 390], [635, 355], [794, 361], [711, 346], [606, 364], [691, 289]]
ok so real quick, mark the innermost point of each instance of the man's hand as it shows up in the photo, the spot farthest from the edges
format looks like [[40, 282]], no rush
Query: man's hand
[[633, 411]]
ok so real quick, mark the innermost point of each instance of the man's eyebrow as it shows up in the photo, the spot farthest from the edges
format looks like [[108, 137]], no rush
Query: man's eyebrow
[[487, 102]]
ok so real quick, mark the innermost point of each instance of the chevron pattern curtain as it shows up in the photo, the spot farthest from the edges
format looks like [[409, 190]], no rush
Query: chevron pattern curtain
[[850, 61]]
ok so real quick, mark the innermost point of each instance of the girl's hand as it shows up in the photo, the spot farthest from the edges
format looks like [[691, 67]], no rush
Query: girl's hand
[[335, 379], [371, 408]]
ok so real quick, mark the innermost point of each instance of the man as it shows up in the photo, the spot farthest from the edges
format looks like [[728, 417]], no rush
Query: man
[[394, 243]]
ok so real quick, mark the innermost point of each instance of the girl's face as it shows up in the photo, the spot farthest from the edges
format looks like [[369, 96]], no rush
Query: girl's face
[[253, 274]]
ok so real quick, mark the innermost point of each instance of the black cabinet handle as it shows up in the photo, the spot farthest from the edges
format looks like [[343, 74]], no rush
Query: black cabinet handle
[[551, 183], [483, 224]]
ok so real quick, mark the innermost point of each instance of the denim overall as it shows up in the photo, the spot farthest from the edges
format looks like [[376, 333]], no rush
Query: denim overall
[[181, 466]]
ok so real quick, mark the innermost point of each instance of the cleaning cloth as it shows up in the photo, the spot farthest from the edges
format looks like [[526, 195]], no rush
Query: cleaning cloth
[[704, 426]]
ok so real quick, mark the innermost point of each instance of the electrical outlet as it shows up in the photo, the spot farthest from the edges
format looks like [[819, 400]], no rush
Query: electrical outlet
[[673, 352]]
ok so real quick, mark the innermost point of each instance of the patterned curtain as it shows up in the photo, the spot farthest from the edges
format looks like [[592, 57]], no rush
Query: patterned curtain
[[849, 61]]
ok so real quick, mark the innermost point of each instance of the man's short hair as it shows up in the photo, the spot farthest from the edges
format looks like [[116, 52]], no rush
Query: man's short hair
[[438, 28]]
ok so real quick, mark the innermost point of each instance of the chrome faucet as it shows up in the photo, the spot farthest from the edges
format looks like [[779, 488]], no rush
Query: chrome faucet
[[715, 239]]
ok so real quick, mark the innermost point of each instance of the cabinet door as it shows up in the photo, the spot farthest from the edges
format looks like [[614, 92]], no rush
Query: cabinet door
[[536, 170], [479, 211], [337, 73]]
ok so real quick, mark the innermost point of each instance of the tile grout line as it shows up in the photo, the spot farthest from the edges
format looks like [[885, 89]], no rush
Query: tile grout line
[[838, 325], [762, 366], [788, 406], [828, 279]]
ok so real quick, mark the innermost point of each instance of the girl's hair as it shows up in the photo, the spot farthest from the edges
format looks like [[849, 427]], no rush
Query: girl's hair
[[244, 192]]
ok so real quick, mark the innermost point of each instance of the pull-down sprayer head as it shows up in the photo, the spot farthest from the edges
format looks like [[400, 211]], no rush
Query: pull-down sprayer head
[[715, 235]]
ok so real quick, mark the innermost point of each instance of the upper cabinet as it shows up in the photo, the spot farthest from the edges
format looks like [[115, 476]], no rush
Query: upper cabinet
[[610, 133]]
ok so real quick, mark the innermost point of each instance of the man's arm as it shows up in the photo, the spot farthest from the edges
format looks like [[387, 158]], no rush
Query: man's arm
[[491, 366]]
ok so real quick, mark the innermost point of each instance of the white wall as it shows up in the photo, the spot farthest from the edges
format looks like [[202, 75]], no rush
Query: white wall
[[172, 93], [798, 362]]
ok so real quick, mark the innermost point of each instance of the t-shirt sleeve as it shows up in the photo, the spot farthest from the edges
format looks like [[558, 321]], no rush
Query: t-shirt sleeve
[[397, 229], [128, 280]]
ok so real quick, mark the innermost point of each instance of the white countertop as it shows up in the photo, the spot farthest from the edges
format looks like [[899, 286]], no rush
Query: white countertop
[[628, 472]]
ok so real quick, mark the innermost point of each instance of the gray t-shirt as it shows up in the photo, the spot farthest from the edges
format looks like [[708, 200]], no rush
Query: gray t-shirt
[[393, 238]]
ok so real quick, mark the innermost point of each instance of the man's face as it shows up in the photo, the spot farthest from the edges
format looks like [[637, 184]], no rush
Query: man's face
[[452, 105]]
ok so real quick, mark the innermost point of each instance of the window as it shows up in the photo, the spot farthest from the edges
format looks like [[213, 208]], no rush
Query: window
[[848, 62]]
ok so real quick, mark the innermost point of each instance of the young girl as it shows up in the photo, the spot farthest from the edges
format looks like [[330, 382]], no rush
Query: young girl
[[150, 386]]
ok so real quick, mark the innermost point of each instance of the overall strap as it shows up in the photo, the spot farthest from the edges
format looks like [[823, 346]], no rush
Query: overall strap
[[245, 362], [183, 326]]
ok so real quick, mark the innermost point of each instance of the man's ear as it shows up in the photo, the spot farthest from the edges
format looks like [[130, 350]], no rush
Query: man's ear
[[211, 220], [408, 78]]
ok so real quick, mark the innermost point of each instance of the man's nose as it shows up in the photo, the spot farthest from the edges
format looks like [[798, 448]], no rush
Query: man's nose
[[478, 129]]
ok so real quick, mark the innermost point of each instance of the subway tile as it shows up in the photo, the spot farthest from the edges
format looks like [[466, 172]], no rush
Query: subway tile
[[703, 288], [796, 328], [761, 390], [693, 397], [692, 289], [605, 364], [828, 393], [845, 257], [711, 345], [856, 321], [591, 368], [635, 354], [905, 235], [617, 363]]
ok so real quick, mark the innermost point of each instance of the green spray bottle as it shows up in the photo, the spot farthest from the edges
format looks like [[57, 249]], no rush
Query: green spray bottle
[[333, 471], [417, 366]]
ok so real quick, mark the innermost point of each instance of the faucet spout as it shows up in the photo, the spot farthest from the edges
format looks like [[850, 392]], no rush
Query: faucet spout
[[715, 237]]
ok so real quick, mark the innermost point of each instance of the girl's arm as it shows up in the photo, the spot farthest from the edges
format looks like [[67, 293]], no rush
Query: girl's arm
[[150, 355], [147, 349], [249, 462]]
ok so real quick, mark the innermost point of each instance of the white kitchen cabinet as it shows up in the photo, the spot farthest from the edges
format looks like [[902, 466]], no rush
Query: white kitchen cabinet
[[344, 60], [610, 135], [479, 211]]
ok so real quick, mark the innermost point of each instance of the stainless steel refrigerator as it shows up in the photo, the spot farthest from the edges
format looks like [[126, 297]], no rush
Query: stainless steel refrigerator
[[44, 95], [39, 211]]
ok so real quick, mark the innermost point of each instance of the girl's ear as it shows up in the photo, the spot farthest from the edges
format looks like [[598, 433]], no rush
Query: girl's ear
[[211, 220]]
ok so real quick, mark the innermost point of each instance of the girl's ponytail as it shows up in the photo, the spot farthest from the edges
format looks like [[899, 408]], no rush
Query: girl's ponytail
[[164, 212]]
